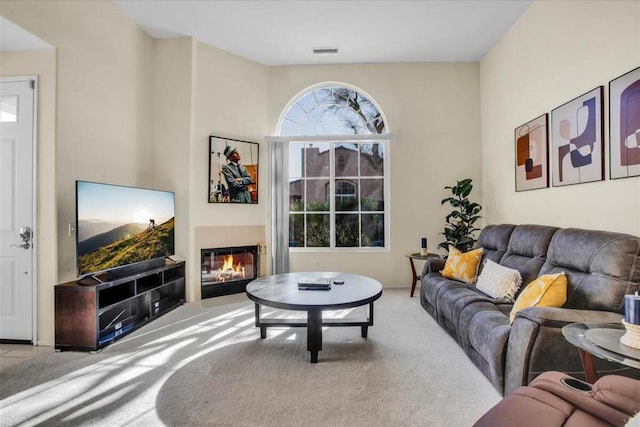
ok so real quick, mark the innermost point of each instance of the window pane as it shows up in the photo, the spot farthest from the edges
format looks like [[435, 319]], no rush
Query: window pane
[[333, 110], [353, 123], [318, 195], [296, 156], [296, 113], [347, 230], [371, 159], [346, 159], [372, 194], [373, 230], [318, 231], [296, 230], [317, 159], [323, 95], [346, 195], [307, 102], [296, 195], [375, 123], [326, 120], [288, 128], [9, 109]]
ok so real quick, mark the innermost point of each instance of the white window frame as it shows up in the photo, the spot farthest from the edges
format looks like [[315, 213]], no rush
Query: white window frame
[[279, 180], [333, 213], [384, 138]]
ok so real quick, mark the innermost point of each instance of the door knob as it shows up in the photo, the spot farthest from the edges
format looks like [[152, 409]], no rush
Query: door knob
[[25, 236]]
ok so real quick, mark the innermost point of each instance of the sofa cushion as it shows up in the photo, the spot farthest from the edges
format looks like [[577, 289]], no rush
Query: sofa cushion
[[601, 267], [452, 301], [498, 281], [527, 250], [494, 239], [462, 266], [487, 332], [549, 290]]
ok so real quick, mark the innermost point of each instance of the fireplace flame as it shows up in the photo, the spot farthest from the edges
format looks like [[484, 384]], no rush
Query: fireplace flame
[[228, 266], [228, 263]]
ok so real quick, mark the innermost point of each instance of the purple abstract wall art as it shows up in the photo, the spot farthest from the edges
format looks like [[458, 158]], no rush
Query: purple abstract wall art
[[624, 125], [577, 147]]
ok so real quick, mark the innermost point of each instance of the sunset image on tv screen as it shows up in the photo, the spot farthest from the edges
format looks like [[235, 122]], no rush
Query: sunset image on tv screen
[[119, 225]]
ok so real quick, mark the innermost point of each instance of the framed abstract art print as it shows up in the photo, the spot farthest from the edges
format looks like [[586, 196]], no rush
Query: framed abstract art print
[[624, 125], [532, 159], [577, 147]]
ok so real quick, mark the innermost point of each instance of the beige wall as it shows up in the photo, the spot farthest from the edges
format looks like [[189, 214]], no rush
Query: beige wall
[[554, 53], [136, 111], [103, 100], [201, 91], [102, 116], [43, 64], [172, 117], [434, 109], [230, 99]]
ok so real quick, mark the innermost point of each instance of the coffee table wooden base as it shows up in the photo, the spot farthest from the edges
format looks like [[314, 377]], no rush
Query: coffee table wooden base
[[314, 325]]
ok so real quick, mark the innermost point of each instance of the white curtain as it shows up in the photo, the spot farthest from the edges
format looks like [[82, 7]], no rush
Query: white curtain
[[279, 188]]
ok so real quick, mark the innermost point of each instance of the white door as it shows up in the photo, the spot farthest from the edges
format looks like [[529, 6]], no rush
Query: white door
[[16, 208]]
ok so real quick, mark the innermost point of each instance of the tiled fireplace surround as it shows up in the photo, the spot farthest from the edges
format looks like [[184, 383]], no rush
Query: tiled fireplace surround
[[224, 237]]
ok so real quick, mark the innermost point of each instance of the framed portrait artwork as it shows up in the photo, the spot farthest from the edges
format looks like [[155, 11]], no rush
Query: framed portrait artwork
[[532, 154], [233, 171], [577, 150], [624, 125]]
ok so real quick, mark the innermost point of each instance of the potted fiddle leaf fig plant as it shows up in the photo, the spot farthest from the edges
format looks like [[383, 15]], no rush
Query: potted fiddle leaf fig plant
[[459, 228]]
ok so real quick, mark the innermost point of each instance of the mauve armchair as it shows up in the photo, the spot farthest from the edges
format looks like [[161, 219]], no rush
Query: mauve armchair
[[556, 399]]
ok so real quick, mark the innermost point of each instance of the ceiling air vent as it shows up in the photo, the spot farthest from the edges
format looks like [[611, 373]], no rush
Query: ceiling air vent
[[325, 51]]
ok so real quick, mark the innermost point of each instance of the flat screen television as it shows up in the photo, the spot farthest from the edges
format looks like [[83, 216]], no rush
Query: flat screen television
[[118, 226]]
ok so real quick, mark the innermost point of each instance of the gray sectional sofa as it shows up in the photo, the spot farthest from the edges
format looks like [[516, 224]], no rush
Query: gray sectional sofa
[[601, 267]]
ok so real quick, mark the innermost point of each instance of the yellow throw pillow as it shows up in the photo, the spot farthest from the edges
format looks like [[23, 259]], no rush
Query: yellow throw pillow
[[549, 290], [462, 266]]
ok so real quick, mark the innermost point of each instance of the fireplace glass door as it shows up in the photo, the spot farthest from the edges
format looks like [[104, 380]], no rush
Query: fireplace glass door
[[227, 270]]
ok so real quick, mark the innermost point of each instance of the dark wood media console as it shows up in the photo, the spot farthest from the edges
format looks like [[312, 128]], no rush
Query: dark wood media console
[[94, 312]]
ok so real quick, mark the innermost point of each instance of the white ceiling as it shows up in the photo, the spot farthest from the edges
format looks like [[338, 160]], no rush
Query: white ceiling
[[276, 32], [13, 37]]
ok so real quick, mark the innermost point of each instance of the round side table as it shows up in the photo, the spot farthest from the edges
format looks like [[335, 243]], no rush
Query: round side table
[[421, 257], [601, 340]]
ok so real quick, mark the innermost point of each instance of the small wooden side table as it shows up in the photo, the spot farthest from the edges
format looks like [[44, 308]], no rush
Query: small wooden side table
[[413, 256]]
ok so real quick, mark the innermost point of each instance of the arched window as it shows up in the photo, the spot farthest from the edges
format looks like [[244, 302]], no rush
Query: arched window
[[332, 110], [337, 185]]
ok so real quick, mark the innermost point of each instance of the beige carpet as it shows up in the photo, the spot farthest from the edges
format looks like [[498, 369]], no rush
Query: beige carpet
[[205, 364]]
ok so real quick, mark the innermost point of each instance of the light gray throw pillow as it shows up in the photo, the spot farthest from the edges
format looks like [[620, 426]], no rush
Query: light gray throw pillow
[[498, 281]]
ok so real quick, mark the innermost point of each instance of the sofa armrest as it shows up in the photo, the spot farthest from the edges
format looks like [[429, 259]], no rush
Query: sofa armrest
[[433, 265], [536, 344], [559, 317]]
